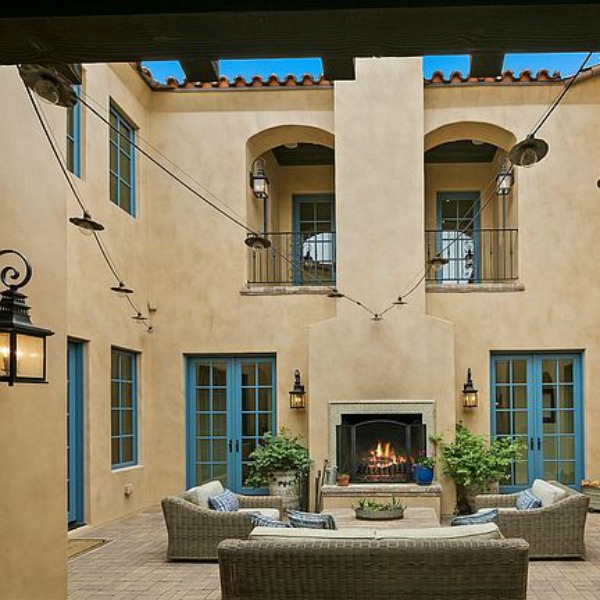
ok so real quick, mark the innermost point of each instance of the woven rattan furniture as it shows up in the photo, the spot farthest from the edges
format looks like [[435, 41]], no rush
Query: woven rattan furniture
[[359, 569], [555, 531], [195, 531]]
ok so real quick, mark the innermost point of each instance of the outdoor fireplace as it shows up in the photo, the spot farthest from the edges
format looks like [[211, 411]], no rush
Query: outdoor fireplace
[[380, 448]]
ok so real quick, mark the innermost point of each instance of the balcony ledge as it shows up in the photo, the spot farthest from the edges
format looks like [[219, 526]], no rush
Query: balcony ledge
[[465, 288], [285, 290]]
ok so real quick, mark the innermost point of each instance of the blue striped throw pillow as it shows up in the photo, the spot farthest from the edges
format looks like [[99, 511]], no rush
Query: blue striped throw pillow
[[225, 502], [262, 521], [485, 515], [311, 520], [526, 500]]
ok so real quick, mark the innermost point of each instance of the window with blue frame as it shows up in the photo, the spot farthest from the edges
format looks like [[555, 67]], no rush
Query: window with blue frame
[[74, 136], [122, 161], [123, 408]]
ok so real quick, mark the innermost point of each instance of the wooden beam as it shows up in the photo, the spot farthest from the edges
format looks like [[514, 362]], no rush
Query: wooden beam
[[336, 69], [486, 64], [200, 69]]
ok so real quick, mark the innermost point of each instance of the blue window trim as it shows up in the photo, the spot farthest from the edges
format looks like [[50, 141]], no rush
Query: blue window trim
[[134, 406], [234, 414], [535, 423], [129, 178], [74, 114]]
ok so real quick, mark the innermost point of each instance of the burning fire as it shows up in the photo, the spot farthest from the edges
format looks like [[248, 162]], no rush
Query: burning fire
[[384, 455]]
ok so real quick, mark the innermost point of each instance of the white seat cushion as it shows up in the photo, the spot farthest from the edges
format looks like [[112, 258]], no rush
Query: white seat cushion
[[547, 493], [299, 534], [483, 532], [273, 513], [199, 495]]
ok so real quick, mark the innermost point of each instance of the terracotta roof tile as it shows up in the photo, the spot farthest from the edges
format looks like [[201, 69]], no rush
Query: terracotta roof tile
[[507, 77]]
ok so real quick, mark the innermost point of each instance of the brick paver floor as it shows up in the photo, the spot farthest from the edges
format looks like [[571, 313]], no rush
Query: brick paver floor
[[133, 567]]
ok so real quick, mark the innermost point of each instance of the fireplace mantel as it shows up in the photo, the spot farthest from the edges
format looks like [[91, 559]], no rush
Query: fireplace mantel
[[337, 408]]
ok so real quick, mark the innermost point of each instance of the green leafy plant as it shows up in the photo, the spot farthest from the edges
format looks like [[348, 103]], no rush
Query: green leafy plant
[[281, 452], [373, 506], [475, 465], [425, 461]]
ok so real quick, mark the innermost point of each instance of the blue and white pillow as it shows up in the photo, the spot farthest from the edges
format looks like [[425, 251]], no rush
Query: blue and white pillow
[[225, 502], [484, 515], [262, 521], [309, 520], [527, 500]]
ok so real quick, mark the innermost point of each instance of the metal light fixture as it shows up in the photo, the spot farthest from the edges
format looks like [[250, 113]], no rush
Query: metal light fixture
[[140, 319], [22, 344], [258, 179], [86, 224], [52, 83], [335, 293], [504, 181], [528, 152], [437, 262], [121, 290], [256, 241], [470, 397], [298, 393]]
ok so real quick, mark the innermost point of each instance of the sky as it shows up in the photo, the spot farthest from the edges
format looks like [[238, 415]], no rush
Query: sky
[[567, 64]]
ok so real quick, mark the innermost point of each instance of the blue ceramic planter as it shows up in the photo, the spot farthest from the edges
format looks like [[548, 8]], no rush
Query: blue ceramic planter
[[423, 475]]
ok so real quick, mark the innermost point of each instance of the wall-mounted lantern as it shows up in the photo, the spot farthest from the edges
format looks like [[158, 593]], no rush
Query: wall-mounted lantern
[[298, 393], [504, 181], [470, 397], [22, 344], [258, 179]]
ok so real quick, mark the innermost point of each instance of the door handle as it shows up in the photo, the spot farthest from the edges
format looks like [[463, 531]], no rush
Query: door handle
[[531, 444], [237, 445], [230, 446], [539, 443]]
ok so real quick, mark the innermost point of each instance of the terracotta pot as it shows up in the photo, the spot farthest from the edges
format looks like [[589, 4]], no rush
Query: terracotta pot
[[343, 481]]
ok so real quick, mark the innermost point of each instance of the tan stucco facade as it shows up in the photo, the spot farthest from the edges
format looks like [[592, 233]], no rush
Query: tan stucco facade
[[189, 265]]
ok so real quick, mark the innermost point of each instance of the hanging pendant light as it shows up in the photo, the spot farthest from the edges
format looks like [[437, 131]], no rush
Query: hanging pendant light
[[52, 83], [257, 242], [86, 224], [528, 152], [121, 290], [437, 262]]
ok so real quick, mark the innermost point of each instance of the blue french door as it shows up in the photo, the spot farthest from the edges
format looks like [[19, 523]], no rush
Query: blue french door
[[537, 398], [230, 405], [75, 514], [458, 236]]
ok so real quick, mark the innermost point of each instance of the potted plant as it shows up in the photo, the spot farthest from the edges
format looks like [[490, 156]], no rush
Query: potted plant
[[343, 479], [371, 510], [475, 465], [423, 469], [280, 462]]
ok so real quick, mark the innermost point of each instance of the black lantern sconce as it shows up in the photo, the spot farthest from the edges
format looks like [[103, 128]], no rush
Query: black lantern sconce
[[258, 179], [22, 344], [470, 397], [298, 393]]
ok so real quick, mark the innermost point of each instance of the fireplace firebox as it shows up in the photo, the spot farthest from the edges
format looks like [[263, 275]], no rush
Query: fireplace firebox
[[380, 448]]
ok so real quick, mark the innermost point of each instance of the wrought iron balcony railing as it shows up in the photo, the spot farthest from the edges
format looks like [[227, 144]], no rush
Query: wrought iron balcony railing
[[474, 256], [294, 258]]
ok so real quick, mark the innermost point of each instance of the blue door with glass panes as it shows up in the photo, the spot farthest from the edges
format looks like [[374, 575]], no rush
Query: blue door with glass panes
[[537, 398], [75, 433], [230, 405]]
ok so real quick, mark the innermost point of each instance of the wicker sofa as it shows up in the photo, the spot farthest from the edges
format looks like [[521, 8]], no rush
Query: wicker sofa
[[194, 530], [334, 569], [554, 531]]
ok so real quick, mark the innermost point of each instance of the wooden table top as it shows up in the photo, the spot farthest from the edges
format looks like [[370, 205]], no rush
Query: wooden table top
[[414, 518]]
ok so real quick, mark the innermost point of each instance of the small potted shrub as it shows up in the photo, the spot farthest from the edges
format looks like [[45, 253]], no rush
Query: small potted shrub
[[423, 469], [280, 462], [343, 479], [371, 510]]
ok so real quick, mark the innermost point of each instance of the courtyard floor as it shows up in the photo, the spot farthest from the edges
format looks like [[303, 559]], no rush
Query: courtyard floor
[[132, 566]]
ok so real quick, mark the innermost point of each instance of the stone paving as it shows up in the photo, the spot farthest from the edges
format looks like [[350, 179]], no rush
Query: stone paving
[[133, 567]]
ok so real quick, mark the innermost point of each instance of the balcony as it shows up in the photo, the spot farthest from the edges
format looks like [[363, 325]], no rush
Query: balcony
[[305, 258], [474, 256]]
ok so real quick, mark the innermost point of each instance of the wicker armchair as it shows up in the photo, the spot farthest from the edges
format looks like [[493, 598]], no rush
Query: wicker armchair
[[359, 569], [556, 531], [195, 532]]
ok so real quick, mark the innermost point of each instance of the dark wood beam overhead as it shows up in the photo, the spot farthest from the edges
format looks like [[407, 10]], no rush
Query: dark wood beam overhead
[[93, 31], [338, 68], [200, 69], [488, 64]]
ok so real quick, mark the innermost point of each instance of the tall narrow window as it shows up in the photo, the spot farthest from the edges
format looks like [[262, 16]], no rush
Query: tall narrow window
[[123, 408], [74, 136], [122, 161]]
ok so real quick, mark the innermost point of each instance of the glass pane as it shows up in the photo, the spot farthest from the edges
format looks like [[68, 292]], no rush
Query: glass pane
[[125, 166], [264, 374], [567, 473], [203, 452], [114, 188], [502, 372], [248, 399], [220, 473], [567, 448], [548, 397], [125, 198], [502, 397], [127, 367], [520, 423], [127, 422], [565, 371], [264, 400], [219, 374], [264, 423], [127, 450], [449, 209], [114, 394], [203, 375], [550, 421], [549, 371], [219, 400], [203, 400], [567, 421], [519, 396], [245, 472], [566, 396], [220, 450], [114, 158], [114, 451], [30, 356], [248, 374], [550, 471], [203, 473], [519, 371], [219, 424], [126, 394], [113, 122], [503, 423], [114, 365], [550, 447], [70, 155], [203, 425], [249, 425], [521, 474], [307, 211], [115, 427], [248, 446]]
